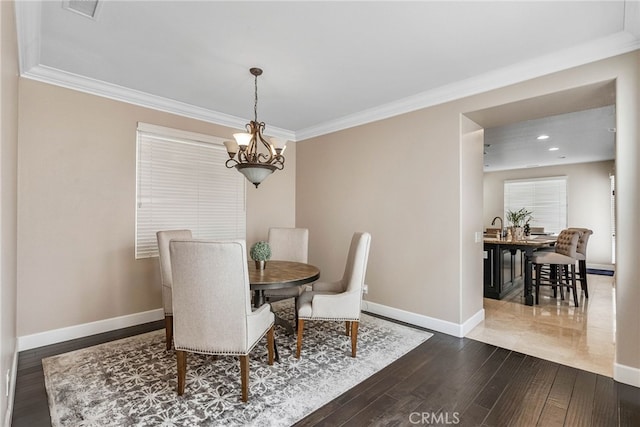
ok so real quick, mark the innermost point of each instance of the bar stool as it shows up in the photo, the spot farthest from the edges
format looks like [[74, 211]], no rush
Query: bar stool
[[563, 257], [581, 256]]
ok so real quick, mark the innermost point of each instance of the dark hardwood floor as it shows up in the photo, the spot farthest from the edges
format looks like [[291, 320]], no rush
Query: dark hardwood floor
[[444, 381]]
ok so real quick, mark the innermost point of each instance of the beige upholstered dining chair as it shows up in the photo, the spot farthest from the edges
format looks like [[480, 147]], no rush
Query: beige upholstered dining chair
[[287, 244], [338, 300], [164, 237], [562, 257], [211, 305]]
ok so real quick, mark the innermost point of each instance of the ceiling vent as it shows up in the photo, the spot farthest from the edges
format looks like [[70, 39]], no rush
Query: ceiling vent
[[88, 8]]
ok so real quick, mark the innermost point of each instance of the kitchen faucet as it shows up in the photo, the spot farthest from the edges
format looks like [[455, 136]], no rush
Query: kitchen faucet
[[501, 224]]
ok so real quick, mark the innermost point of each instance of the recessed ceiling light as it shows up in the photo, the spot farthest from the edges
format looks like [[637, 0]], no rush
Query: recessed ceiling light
[[553, 149], [541, 137]]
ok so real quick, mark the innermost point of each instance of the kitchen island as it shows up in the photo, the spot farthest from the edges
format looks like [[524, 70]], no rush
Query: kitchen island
[[507, 264]]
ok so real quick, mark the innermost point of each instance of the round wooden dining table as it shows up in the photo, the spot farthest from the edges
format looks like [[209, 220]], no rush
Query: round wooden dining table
[[279, 275]]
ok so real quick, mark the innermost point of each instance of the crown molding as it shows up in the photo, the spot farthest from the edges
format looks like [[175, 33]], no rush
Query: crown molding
[[28, 17], [616, 44], [119, 93], [28, 20]]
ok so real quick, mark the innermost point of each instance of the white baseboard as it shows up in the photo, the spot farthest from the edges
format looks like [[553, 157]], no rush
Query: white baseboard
[[86, 329], [446, 327], [626, 374], [12, 388]]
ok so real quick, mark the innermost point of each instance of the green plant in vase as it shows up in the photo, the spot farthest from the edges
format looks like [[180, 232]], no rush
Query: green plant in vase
[[260, 252], [518, 219]]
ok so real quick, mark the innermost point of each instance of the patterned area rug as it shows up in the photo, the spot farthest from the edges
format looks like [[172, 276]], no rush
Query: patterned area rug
[[132, 382]]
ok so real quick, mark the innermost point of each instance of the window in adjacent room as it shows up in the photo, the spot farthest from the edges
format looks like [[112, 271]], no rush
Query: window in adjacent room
[[545, 197], [182, 183]]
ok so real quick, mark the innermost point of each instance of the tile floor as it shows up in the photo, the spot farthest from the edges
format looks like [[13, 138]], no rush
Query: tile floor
[[555, 330]]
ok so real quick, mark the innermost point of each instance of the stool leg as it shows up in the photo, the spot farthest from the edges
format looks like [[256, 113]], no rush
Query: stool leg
[[553, 279], [573, 284], [582, 264], [537, 282], [559, 276]]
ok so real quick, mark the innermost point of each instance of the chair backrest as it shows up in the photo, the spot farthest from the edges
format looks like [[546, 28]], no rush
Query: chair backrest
[[164, 237], [211, 295], [583, 240], [356, 267], [567, 243], [289, 244]]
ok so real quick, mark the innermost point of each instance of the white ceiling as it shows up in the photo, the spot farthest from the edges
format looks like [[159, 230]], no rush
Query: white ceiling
[[328, 65], [577, 137]]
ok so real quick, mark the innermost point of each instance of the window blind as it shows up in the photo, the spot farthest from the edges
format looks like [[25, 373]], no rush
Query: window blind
[[182, 183], [546, 198]]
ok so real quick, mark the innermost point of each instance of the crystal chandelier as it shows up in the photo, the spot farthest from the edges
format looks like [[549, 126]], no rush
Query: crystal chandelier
[[244, 152]]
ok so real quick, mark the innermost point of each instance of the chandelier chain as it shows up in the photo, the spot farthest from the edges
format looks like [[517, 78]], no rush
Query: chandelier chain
[[255, 104]]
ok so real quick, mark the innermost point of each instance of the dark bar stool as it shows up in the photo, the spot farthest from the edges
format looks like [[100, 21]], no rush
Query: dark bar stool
[[581, 256], [562, 260]]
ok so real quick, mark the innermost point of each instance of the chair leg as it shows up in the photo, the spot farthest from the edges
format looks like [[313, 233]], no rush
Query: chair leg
[[270, 343], [537, 282], [573, 284], [300, 332], [168, 328], [553, 279], [244, 375], [354, 337], [347, 326], [181, 357], [582, 264]]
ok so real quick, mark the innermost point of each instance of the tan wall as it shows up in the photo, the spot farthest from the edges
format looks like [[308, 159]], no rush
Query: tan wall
[[400, 180], [76, 207], [8, 192], [471, 163], [588, 200]]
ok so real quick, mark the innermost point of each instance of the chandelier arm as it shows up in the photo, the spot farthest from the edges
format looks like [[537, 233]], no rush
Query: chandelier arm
[[278, 164], [231, 163]]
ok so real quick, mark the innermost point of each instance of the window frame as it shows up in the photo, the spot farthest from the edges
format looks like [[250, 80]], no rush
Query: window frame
[[199, 203]]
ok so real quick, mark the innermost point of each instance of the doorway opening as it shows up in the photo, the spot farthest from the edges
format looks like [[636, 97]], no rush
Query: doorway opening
[[555, 330]]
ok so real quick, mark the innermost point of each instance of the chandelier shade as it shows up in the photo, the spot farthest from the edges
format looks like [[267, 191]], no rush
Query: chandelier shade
[[250, 153]]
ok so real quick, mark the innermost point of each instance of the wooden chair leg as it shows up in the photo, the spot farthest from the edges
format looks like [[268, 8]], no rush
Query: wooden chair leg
[[354, 337], [573, 284], [347, 327], [560, 280], [582, 264], [537, 282], [270, 343], [168, 327], [181, 357], [300, 332], [244, 376]]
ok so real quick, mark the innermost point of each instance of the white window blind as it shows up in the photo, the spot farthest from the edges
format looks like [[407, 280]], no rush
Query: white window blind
[[546, 198], [182, 183]]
